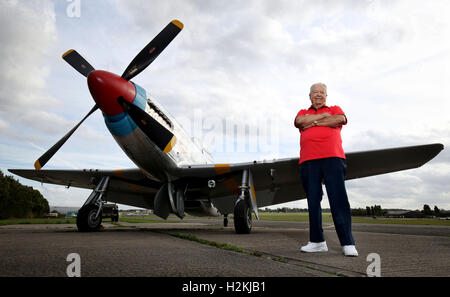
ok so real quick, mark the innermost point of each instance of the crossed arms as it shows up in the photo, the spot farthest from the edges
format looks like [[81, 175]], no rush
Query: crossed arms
[[323, 119]]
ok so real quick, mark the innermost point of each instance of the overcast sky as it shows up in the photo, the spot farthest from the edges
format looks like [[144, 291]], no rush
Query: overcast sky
[[241, 64]]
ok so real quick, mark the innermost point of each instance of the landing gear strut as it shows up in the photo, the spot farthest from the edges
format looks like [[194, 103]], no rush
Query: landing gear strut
[[89, 216], [245, 204]]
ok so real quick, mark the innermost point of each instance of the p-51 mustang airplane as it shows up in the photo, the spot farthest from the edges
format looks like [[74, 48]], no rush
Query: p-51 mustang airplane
[[174, 175]]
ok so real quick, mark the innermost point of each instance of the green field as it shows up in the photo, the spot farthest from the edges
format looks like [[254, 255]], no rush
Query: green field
[[293, 217], [326, 218], [37, 221]]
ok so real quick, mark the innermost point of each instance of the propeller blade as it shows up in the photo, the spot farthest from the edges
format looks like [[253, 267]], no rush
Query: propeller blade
[[149, 53], [78, 62], [157, 133], [49, 154]]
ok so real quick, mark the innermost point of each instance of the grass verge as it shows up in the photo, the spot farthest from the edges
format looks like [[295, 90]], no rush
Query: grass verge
[[327, 218], [290, 217], [37, 221]]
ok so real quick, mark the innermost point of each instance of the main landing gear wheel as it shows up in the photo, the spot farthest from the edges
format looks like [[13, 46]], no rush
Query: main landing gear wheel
[[87, 220], [242, 218]]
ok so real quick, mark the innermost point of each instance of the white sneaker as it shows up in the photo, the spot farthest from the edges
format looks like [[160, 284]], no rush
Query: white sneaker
[[350, 251], [315, 247]]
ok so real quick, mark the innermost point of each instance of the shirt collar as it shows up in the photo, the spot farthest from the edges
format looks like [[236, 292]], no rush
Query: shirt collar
[[311, 107]]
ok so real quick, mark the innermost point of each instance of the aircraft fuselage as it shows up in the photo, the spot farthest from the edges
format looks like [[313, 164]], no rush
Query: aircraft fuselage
[[155, 162]]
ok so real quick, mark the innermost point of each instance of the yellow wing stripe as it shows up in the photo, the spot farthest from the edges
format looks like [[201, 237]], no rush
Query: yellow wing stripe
[[231, 185], [119, 173], [222, 168]]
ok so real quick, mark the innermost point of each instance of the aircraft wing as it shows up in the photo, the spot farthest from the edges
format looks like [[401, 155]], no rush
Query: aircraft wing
[[278, 181], [275, 181], [127, 186]]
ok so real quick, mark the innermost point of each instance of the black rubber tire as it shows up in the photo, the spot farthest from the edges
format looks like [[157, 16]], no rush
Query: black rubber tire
[[242, 218], [86, 221]]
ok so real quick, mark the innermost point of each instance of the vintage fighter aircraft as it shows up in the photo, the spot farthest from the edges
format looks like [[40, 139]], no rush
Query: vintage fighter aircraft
[[174, 174]]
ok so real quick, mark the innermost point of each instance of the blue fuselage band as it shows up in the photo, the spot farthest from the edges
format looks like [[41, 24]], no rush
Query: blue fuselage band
[[122, 124]]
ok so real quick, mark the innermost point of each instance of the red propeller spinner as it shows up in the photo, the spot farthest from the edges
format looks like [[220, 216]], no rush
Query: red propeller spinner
[[106, 87]]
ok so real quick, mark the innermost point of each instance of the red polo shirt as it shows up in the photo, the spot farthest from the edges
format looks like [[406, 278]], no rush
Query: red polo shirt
[[320, 142]]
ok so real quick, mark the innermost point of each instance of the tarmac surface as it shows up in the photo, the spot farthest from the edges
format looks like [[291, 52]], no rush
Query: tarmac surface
[[271, 250]]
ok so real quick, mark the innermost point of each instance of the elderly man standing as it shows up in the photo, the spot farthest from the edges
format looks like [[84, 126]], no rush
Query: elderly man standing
[[322, 158]]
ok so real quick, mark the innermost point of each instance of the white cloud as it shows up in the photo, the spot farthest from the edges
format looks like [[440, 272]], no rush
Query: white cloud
[[27, 32], [385, 63]]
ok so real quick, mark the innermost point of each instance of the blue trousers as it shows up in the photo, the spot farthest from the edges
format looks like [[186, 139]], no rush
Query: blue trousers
[[332, 171]]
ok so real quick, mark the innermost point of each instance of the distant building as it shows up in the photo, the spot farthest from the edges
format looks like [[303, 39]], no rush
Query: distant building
[[403, 214]]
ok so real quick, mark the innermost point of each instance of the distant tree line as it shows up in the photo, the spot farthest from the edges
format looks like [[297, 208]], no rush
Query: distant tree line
[[435, 212], [19, 201], [374, 210]]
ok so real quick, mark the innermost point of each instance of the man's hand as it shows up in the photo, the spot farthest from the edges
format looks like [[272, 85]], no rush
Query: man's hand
[[308, 126], [307, 121]]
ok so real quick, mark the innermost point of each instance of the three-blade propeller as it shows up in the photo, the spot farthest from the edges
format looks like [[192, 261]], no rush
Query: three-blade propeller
[[147, 55]]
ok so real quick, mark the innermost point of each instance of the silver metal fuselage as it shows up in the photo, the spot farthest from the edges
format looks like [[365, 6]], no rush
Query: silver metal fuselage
[[154, 163]]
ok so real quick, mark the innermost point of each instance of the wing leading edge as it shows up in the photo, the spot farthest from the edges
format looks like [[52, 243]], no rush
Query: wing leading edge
[[275, 181], [127, 186], [374, 162], [278, 181]]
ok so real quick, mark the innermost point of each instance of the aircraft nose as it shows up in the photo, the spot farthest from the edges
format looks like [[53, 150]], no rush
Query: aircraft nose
[[106, 87]]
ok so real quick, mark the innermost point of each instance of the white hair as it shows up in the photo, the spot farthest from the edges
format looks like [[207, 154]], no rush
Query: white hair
[[318, 84]]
